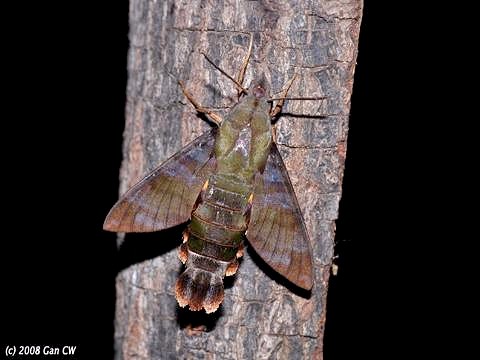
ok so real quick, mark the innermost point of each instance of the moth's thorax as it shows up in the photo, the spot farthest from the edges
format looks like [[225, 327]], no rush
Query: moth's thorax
[[244, 139], [249, 110]]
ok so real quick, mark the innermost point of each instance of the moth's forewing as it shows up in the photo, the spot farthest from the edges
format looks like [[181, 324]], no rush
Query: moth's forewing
[[166, 196], [276, 230]]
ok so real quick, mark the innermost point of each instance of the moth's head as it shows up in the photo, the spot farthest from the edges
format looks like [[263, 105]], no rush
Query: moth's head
[[259, 88]]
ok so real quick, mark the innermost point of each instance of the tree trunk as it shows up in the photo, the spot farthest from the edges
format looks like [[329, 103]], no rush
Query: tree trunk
[[262, 316]]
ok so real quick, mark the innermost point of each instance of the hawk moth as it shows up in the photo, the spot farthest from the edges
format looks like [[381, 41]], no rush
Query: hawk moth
[[229, 183]]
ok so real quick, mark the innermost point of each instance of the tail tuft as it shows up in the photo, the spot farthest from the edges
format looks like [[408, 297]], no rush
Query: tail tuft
[[199, 289]]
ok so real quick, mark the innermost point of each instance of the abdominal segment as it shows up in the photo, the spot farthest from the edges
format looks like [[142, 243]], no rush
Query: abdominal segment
[[212, 243]]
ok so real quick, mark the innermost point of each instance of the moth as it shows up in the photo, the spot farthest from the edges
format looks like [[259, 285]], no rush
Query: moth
[[229, 183]]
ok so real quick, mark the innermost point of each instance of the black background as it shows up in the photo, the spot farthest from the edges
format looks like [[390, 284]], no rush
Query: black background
[[62, 151]]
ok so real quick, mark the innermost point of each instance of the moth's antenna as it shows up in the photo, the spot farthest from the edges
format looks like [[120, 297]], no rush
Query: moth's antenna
[[239, 86], [298, 98], [243, 69]]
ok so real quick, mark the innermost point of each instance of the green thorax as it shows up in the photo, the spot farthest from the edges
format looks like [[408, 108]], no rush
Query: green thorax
[[243, 140]]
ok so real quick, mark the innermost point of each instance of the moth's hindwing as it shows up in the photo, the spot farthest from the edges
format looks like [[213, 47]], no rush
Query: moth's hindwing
[[166, 196], [277, 231]]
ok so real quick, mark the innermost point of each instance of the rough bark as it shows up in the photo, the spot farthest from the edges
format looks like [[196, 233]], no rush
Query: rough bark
[[262, 316]]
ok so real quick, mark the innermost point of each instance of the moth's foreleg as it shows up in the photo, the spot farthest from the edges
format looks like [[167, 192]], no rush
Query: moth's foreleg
[[217, 119]]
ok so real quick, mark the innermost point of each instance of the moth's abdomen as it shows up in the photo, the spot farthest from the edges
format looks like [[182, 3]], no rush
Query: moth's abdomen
[[212, 242], [199, 289]]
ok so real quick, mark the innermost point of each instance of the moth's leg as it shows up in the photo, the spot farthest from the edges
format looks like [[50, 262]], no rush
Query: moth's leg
[[217, 119], [276, 110], [274, 134], [243, 69]]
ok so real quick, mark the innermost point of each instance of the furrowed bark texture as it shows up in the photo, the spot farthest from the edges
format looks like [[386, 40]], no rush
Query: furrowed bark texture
[[262, 317]]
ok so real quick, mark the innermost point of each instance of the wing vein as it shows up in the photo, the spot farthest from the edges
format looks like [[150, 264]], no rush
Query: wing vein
[[165, 192]]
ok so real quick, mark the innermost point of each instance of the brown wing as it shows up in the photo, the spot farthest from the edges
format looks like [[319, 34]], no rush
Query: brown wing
[[276, 230], [166, 196]]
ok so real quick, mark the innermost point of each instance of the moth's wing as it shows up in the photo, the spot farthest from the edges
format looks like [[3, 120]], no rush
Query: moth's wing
[[166, 196], [276, 229]]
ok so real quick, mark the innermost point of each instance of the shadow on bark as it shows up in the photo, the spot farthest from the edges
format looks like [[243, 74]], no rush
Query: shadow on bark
[[138, 247], [197, 321], [272, 274]]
